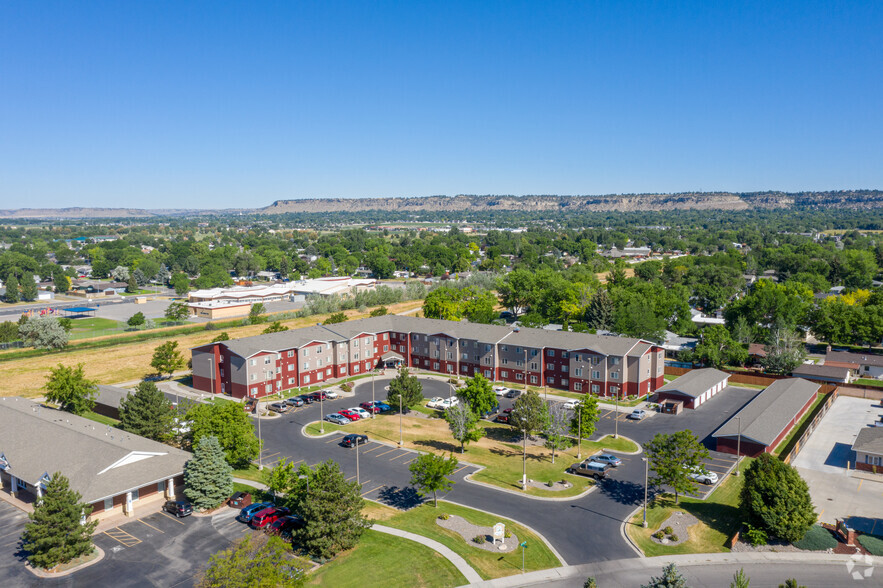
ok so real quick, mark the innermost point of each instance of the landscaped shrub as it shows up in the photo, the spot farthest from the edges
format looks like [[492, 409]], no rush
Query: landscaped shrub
[[817, 539], [444, 516], [480, 539], [659, 534], [756, 536], [874, 545], [668, 530], [550, 483], [346, 387], [507, 534], [674, 537]]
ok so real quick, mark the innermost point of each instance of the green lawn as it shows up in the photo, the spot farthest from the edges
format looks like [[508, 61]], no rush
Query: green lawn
[[100, 418], [382, 560], [253, 473], [499, 451], [870, 382], [790, 440], [719, 518], [256, 495], [421, 520]]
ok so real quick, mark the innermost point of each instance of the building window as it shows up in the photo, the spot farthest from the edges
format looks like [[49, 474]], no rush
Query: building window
[[564, 369], [450, 355], [564, 382], [504, 373], [355, 356], [505, 361], [135, 495], [318, 363], [328, 372], [487, 347], [576, 357], [305, 366], [533, 379], [550, 367], [614, 375], [254, 377], [291, 354], [254, 389], [505, 348], [578, 386], [355, 369], [450, 368], [519, 376], [518, 363], [596, 389], [487, 373], [564, 354], [306, 379], [159, 486], [596, 375], [306, 352], [355, 343], [435, 366], [254, 362], [595, 360], [386, 347], [518, 350], [550, 380], [108, 504], [464, 356], [268, 388], [291, 381], [578, 372], [320, 349], [614, 361], [533, 366], [550, 352]]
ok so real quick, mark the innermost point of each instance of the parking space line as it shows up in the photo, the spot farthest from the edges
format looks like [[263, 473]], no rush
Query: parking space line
[[376, 446], [363, 483], [860, 480], [350, 478], [385, 452], [171, 517], [332, 440], [400, 456], [296, 462], [410, 461], [271, 455], [370, 491], [459, 469], [151, 526], [13, 543]]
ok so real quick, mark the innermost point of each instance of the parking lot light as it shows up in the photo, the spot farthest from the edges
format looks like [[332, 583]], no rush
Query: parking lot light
[[646, 472]]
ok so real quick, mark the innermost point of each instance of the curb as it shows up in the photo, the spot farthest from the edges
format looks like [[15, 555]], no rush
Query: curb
[[468, 478], [41, 574], [625, 534], [528, 527], [303, 431]]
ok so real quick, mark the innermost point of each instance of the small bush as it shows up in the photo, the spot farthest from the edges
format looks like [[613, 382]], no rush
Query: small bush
[[674, 537], [480, 539], [659, 534], [756, 536], [210, 326], [550, 483], [817, 538], [507, 534], [874, 545], [346, 387], [668, 530], [444, 516]]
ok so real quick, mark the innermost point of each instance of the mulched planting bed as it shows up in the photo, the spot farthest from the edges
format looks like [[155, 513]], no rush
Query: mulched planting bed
[[468, 532]]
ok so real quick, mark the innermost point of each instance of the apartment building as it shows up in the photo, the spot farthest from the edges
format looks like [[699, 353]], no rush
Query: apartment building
[[579, 362]]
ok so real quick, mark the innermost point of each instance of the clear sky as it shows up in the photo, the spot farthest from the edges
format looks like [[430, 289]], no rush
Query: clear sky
[[222, 104]]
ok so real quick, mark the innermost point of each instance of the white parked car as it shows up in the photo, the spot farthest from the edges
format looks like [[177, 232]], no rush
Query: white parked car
[[434, 402], [448, 403], [330, 394], [703, 476], [500, 390], [361, 412], [571, 404]]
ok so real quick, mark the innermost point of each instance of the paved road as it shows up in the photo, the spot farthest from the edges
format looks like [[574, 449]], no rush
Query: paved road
[[583, 530]]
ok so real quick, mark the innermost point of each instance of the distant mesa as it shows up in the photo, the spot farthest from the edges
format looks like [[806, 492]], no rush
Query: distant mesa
[[852, 199]]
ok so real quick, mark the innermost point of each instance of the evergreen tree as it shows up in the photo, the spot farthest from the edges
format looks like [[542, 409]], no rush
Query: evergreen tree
[[275, 327], [777, 499], [131, 285], [599, 313], [69, 388], [740, 579], [407, 387], [12, 290], [147, 413], [28, 287], [670, 578], [208, 479], [54, 534]]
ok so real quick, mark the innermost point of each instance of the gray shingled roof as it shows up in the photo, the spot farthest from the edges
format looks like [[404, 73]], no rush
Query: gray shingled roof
[[869, 440], [524, 337], [695, 382], [38, 440], [821, 371], [858, 358], [110, 395], [767, 415]]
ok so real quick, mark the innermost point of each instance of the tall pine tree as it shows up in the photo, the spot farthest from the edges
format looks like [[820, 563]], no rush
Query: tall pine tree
[[148, 413], [208, 479], [12, 290], [54, 534]]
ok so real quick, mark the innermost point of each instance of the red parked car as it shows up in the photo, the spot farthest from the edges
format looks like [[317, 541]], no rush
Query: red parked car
[[350, 414], [370, 407], [268, 516], [503, 417], [284, 524]]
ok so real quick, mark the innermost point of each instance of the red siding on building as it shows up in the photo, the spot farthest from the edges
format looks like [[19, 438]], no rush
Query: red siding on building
[[747, 448]]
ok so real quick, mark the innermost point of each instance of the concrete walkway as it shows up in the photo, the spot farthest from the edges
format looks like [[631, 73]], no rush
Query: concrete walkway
[[653, 565], [251, 483], [460, 563]]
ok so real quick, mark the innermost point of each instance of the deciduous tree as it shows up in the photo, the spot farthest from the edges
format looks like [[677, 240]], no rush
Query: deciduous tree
[[177, 312], [335, 318], [43, 332], [463, 424], [231, 425], [479, 394], [586, 415], [136, 320], [181, 283], [777, 498], [208, 478], [54, 534], [429, 473], [556, 427], [167, 358], [784, 351], [673, 457], [275, 327], [69, 388], [255, 560], [407, 387]]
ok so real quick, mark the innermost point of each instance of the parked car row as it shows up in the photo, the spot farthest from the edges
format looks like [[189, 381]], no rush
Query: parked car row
[[440, 403], [284, 406], [595, 466], [363, 411], [275, 520]]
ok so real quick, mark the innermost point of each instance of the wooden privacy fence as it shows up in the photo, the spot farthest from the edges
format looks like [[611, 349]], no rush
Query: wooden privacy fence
[[738, 377], [814, 421], [871, 392]]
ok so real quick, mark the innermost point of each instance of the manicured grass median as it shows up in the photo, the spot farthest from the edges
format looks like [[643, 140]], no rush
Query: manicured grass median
[[253, 473], [500, 451], [100, 418], [797, 431], [719, 518], [383, 560], [421, 520]]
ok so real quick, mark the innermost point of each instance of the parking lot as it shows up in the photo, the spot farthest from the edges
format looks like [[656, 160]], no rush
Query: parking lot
[[830, 446], [12, 524]]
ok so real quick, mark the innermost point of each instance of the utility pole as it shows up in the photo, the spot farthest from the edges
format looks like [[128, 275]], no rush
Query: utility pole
[[579, 441], [321, 413], [373, 406], [357, 462], [401, 437], [260, 438], [616, 417], [646, 472]]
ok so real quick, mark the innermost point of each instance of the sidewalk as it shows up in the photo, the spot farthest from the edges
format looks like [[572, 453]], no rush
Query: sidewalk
[[654, 564], [460, 563]]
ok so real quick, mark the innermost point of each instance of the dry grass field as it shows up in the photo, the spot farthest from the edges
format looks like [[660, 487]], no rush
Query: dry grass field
[[131, 361]]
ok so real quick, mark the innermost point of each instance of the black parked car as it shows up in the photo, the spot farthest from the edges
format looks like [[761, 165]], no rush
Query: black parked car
[[353, 439], [179, 508], [307, 398]]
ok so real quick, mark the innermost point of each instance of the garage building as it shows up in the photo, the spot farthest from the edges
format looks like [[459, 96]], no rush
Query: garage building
[[694, 387], [111, 469], [868, 447], [765, 421]]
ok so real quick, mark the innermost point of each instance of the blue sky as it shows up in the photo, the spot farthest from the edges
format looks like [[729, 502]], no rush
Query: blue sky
[[222, 104]]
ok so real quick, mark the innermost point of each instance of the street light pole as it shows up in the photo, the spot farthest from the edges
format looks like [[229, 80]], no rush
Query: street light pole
[[646, 473], [579, 441], [373, 406], [260, 438], [616, 418], [401, 437], [357, 462], [321, 412], [738, 444]]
